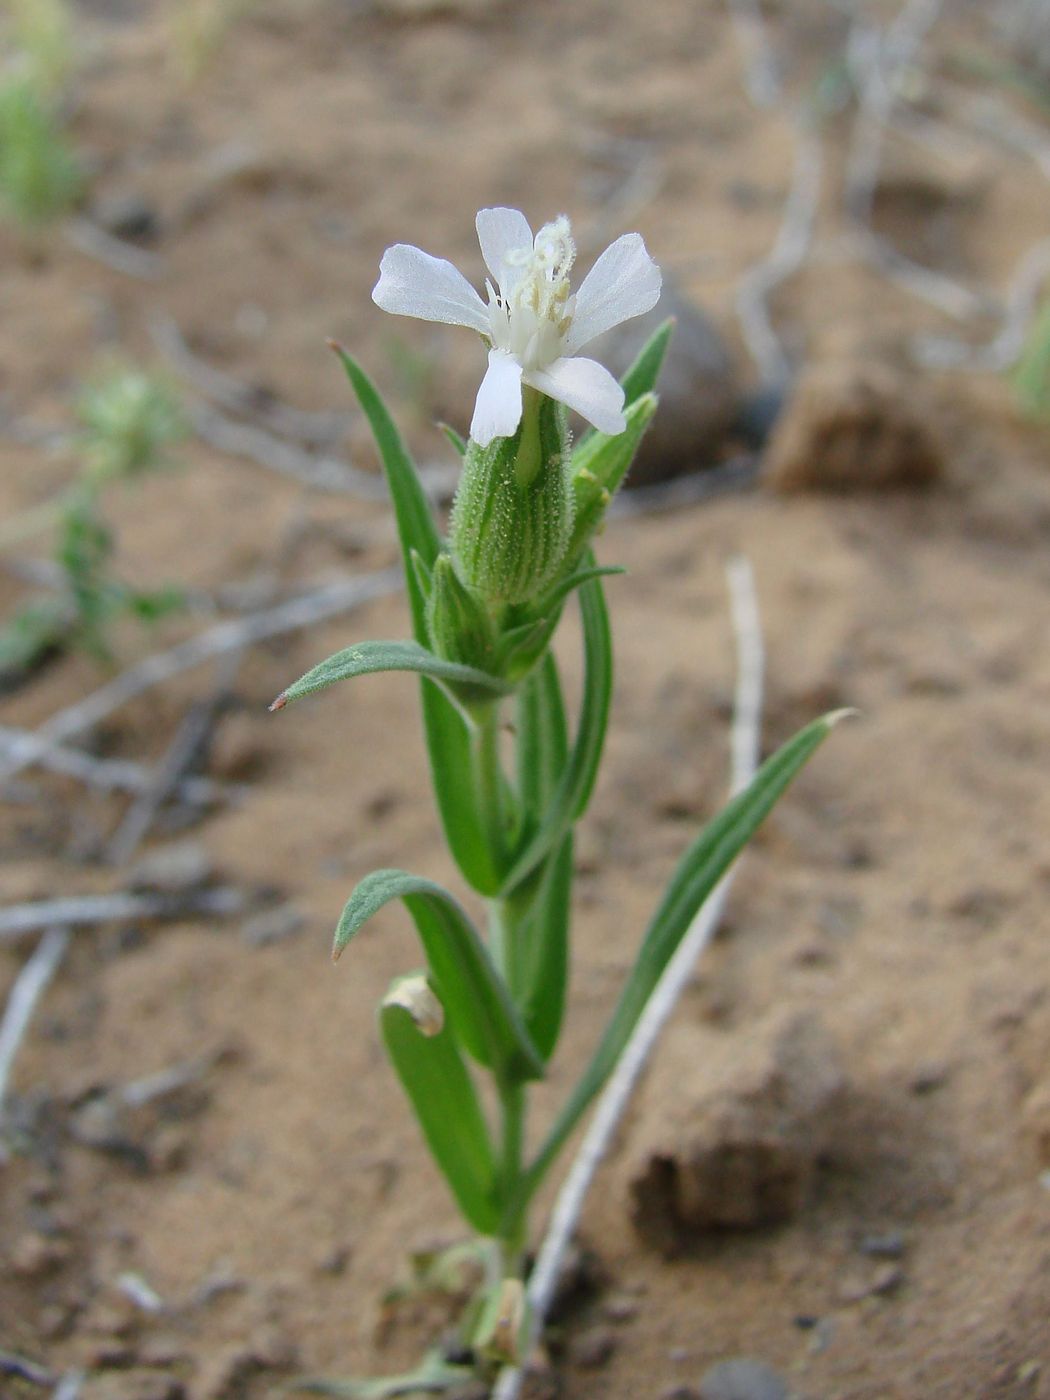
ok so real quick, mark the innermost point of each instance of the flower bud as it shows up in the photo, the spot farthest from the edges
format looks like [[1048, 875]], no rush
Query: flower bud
[[460, 629], [513, 513]]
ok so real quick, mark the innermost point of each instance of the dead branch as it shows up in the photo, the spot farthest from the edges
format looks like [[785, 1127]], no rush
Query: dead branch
[[761, 78], [786, 257], [117, 774], [290, 616], [94, 242], [184, 750], [1005, 347], [82, 911], [29, 986], [313, 429], [614, 1099]]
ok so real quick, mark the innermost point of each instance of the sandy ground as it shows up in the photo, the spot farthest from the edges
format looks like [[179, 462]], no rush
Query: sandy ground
[[897, 896]]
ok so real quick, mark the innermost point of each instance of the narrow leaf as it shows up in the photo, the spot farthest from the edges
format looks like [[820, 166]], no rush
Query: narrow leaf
[[369, 658], [699, 871], [476, 1000], [447, 733], [456, 439], [642, 375], [541, 938], [577, 781], [435, 1078]]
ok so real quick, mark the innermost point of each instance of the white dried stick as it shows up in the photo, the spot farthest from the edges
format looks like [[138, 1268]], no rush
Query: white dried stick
[[569, 1204], [26, 992]]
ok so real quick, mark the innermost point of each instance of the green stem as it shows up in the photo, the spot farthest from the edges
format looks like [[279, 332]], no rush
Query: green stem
[[511, 1239], [488, 779]]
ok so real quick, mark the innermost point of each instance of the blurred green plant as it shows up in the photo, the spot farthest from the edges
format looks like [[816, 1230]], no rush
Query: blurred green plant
[[40, 177], [199, 28], [42, 32], [1031, 374], [131, 423]]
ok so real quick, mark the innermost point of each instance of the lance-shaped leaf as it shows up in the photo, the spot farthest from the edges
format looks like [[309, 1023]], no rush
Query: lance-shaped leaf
[[477, 1003], [642, 375], [436, 1080], [599, 467], [369, 658], [447, 732], [574, 789], [540, 946], [699, 871]]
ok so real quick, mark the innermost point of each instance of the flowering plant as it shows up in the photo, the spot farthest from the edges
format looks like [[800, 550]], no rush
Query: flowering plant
[[485, 603]]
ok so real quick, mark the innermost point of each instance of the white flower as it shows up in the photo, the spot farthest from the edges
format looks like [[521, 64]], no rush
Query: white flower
[[532, 324]]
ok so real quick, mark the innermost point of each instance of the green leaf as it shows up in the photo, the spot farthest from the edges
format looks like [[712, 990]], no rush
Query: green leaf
[[476, 1000], [415, 521], [447, 732], [540, 944], [576, 580], [369, 658], [699, 871], [599, 466], [456, 439], [574, 788], [642, 375], [435, 1078]]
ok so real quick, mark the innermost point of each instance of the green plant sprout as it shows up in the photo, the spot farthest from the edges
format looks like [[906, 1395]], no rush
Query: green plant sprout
[[40, 179], [130, 423], [485, 603], [43, 32], [1031, 374]]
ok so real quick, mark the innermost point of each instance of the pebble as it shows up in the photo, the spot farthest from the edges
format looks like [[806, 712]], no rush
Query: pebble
[[734, 1145], [742, 1379], [883, 1246], [127, 214], [175, 868]]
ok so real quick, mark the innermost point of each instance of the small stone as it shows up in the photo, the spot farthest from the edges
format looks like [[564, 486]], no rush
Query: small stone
[[929, 1076], [273, 925], [620, 1308], [593, 1348], [333, 1261], [886, 1280], [736, 1146], [127, 214], [853, 427], [35, 1256], [176, 868], [742, 1379], [886, 1246]]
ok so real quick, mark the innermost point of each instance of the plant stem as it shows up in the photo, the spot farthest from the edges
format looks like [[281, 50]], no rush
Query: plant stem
[[488, 777], [512, 1103]]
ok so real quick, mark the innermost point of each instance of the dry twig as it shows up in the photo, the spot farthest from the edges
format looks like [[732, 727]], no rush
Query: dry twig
[[786, 257], [116, 774], [614, 1099], [29, 986], [85, 910], [234, 635], [94, 242], [310, 428], [760, 69]]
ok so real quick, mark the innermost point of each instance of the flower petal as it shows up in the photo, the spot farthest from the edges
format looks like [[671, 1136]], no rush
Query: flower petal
[[587, 387], [497, 411], [501, 231], [412, 283], [624, 282]]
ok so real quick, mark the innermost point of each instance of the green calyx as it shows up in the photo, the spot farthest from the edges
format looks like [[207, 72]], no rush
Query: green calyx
[[460, 628], [513, 515]]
